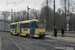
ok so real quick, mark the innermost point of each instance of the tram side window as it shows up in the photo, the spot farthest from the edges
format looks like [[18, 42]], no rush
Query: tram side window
[[12, 26], [26, 25]]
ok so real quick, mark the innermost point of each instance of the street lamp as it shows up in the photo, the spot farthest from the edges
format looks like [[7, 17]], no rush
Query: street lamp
[[73, 20], [28, 12]]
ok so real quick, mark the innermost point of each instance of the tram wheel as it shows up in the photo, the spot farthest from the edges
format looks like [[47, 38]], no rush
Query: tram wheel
[[42, 37], [17, 34], [11, 34], [27, 36]]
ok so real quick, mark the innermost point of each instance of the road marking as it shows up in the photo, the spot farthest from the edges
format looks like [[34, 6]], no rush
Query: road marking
[[45, 44], [14, 43], [61, 43], [30, 44], [27, 43], [0, 43]]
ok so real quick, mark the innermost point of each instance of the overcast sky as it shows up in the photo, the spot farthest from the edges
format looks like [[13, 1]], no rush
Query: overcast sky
[[23, 4]]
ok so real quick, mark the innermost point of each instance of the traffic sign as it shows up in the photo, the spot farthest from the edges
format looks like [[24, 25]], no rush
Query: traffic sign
[[68, 17]]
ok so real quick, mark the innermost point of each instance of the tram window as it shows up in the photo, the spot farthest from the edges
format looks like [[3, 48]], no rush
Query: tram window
[[23, 25], [12, 26], [26, 25]]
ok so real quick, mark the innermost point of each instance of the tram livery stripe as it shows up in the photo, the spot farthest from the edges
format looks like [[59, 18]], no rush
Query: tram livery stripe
[[20, 27]]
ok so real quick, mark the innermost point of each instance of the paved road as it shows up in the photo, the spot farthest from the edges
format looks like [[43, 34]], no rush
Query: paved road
[[11, 42]]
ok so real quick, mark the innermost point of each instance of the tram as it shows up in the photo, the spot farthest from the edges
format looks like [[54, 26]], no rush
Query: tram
[[29, 28]]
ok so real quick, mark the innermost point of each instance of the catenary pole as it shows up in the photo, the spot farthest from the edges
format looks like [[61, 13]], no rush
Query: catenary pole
[[54, 17]]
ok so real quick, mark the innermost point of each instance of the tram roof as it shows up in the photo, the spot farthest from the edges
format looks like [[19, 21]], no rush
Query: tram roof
[[28, 21]]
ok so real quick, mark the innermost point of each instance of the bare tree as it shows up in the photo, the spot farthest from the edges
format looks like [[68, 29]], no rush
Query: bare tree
[[24, 15], [43, 15], [69, 4], [21, 14], [70, 7], [34, 14]]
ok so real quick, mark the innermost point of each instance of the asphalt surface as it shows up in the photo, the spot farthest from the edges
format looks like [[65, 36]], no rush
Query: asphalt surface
[[11, 42]]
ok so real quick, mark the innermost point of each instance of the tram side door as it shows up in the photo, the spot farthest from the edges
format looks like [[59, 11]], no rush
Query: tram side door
[[16, 28], [32, 28]]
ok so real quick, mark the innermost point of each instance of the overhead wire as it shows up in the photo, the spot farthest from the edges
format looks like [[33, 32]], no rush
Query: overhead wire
[[6, 5], [30, 7], [36, 5], [16, 4], [24, 7]]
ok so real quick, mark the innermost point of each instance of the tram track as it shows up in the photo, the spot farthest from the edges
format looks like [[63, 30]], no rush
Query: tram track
[[51, 41], [23, 43], [13, 42]]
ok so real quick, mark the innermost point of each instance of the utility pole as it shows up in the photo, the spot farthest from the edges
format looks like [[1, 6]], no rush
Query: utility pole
[[47, 14], [68, 21], [73, 21], [4, 20], [28, 12], [54, 17], [65, 9], [68, 6], [12, 15], [36, 15], [65, 14], [23, 16]]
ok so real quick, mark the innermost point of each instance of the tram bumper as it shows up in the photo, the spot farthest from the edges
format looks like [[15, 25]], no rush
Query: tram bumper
[[41, 35]]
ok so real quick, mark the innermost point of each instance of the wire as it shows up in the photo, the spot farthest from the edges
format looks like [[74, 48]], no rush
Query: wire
[[16, 4], [6, 5], [23, 7], [30, 7], [36, 5]]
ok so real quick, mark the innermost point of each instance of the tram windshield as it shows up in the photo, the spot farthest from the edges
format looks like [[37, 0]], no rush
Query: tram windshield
[[40, 25]]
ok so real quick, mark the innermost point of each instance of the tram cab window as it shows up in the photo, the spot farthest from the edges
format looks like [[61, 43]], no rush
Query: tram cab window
[[40, 25]]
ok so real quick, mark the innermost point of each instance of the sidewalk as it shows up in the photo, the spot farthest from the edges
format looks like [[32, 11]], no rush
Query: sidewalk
[[73, 32], [59, 34], [69, 39]]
